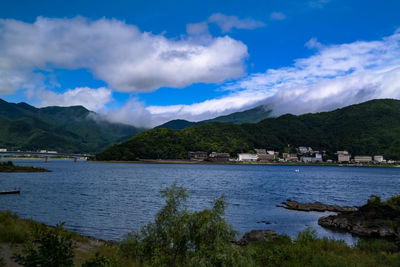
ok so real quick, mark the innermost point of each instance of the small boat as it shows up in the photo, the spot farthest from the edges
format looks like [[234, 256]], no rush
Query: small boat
[[10, 192]]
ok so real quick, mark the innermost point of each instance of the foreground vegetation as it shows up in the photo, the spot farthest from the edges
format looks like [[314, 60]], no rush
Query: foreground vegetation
[[10, 167], [370, 128], [178, 237]]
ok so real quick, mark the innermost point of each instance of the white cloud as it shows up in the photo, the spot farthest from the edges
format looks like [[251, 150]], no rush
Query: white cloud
[[318, 3], [118, 53], [277, 16], [313, 43], [128, 60], [134, 113], [335, 76], [225, 23], [92, 99]]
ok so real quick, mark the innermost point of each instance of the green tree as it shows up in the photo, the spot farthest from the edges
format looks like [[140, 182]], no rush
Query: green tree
[[178, 237]]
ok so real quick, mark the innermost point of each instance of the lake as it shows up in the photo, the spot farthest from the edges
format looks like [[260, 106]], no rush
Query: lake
[[107, 200]]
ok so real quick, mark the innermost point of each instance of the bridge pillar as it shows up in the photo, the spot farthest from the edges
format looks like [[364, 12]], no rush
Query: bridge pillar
[[75, 160], [46, 159]]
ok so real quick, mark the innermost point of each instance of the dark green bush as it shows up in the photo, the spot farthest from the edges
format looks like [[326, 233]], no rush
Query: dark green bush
[[374, 201], [394, 200]]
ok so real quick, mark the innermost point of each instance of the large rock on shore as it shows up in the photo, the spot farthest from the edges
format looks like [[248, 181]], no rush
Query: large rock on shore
[[256, 236], [315, 206], [379, 221]]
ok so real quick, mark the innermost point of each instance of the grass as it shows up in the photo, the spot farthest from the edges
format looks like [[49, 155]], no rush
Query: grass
[[307, 250], [15, 233]]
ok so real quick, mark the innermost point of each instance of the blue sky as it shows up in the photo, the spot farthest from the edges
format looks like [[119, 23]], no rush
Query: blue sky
[[241, 54]]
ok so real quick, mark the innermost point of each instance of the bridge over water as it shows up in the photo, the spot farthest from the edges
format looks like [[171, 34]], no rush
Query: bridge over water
[[45, 155]]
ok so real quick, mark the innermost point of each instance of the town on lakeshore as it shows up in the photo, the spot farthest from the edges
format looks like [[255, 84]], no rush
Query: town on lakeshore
[[303, 155]]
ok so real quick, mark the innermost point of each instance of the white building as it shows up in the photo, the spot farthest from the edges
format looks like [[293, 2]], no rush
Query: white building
[[362, 159], [343, 156], [247, 157], [378, 158], [3, 149], [317, 158]]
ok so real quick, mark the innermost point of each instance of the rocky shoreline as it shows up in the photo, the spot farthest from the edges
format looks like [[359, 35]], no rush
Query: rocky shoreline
[[371, 220], [376, 219]]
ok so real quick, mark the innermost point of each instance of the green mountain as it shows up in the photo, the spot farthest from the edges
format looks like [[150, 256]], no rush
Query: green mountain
[[370, 128], [253, 115], [65, 129]]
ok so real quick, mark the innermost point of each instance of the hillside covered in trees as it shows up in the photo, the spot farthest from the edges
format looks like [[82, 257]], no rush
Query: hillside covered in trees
[[65, 129], [369, 128]]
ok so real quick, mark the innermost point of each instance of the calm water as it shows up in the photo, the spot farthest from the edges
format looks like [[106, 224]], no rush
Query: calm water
[[107, 200]]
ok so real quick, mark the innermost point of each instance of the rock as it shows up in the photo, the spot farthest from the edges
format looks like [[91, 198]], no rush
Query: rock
[[266, 222], [367, 221], [316, 206], [256, 236]]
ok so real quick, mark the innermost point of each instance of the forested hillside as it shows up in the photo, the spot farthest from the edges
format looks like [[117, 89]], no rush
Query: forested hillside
[[370, 128], [65, 129]]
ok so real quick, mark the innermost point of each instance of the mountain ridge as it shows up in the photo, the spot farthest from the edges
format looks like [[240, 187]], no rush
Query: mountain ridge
[[371, 128], [252, 115], [66, 129]]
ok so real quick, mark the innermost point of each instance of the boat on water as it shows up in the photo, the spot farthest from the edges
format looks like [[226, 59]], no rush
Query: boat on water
[[10, 192]]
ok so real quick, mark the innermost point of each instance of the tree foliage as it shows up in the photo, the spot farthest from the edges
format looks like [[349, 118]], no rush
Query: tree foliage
[[178, 237]]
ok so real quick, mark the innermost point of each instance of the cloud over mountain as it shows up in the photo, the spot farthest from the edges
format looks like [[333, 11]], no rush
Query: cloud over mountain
[[92, 99], [335, 76]]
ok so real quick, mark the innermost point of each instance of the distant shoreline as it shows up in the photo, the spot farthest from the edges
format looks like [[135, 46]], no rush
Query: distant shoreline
[[10, 167], [171, 161]]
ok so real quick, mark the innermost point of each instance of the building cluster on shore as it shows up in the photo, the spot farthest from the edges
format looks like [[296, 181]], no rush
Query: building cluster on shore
[[303, 154]]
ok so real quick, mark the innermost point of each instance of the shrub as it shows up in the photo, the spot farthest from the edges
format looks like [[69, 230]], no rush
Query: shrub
[[180, 238], [377, 246], [48, 247], [394, 200], [374, 201]]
